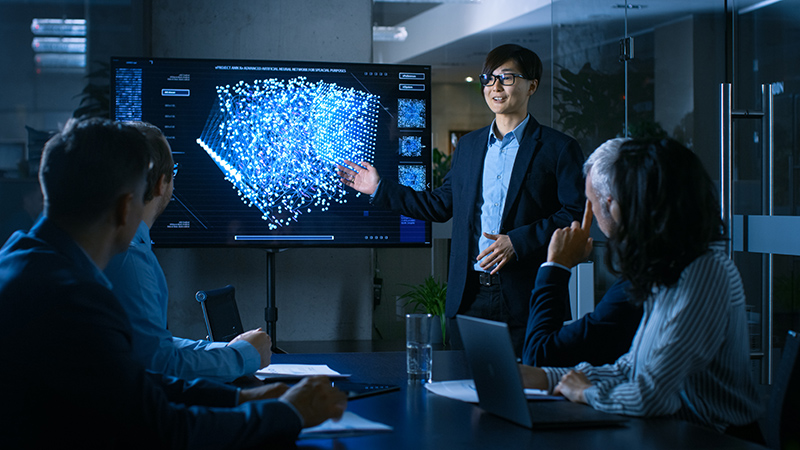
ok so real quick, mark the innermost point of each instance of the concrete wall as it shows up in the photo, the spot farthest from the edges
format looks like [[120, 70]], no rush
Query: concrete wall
[[314, 30], [321, 294]]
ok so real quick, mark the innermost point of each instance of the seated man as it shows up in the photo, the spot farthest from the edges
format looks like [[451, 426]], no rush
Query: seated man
[[69, 377], [690, 357], [141, 287], [599, 337]]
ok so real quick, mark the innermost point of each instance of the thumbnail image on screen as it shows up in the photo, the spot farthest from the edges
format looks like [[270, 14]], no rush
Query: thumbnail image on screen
[[258, 143]]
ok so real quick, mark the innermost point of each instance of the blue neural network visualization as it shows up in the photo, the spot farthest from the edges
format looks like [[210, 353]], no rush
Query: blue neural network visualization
[[412, 176], [410, 146], [410, 113], [278, 142]]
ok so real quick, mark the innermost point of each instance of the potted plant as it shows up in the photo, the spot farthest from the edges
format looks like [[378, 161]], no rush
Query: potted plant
[[441, 165], [95, 95], [430, 297]]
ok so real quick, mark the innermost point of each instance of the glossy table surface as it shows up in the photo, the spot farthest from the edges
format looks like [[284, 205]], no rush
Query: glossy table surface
[[422, 420]]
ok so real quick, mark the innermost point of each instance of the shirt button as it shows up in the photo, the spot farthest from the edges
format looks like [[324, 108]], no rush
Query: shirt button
[[499, 176]]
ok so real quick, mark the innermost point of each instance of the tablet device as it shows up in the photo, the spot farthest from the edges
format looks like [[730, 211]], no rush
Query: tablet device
[[361, 390]]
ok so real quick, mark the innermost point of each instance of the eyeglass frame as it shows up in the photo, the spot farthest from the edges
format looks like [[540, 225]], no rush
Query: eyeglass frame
[[502, 77]]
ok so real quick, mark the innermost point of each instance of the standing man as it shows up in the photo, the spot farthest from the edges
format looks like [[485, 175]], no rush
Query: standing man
[[510, 186], [69, 378], [141, 287]]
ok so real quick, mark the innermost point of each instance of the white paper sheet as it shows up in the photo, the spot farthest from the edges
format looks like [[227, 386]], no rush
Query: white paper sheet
[[296, 371], [464, 390], [351, 424]]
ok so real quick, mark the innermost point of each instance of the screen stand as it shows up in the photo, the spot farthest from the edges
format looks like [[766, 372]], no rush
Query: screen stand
[[271, 311]]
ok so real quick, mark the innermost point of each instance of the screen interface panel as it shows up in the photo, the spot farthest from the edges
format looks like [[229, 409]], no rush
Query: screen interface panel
[[257, 143]]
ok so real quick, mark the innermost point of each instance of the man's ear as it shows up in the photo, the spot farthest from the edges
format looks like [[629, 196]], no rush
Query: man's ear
[[161, 186], [122, 209], [613, 208], [534, 87]]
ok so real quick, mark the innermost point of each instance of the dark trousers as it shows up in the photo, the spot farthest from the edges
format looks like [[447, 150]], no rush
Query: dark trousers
[[487, 302]]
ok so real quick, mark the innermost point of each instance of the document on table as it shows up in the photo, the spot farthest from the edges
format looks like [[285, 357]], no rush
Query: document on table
[[351, 424], [293, 371], [464, 390]]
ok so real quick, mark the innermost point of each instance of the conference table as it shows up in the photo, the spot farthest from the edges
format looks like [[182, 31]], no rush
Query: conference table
[[423, 420]]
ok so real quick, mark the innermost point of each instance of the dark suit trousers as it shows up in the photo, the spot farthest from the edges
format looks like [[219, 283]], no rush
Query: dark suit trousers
[[487, 302]]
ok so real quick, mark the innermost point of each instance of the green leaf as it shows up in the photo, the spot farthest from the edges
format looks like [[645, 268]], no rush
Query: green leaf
[[430, 296]]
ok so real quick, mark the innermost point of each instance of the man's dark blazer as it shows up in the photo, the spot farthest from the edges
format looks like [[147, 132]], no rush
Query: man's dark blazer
[[600, 337], [69, 378], [545, 192]]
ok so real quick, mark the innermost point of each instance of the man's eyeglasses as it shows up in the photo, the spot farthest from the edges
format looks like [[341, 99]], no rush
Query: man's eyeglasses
[[506, 79], [175, 170]]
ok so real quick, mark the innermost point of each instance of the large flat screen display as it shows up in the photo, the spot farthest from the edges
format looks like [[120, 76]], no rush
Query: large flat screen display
[[257, 143]]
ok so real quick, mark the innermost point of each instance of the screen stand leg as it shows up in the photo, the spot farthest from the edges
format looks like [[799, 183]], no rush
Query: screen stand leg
[[271, 311]]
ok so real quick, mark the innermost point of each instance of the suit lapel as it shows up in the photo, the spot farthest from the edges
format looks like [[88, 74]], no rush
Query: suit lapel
[[474, 173], [528, 146]]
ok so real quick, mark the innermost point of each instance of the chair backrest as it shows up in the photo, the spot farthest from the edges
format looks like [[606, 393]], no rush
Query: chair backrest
[[221, 313], [781, 426]]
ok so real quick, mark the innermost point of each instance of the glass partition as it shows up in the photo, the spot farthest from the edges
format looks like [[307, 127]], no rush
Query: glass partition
[[764, 168], [667, 82]]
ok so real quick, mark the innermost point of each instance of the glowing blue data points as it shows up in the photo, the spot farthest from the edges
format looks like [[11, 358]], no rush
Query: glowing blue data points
[[410, 113], [278, 142], [412, 176], [410, 146]]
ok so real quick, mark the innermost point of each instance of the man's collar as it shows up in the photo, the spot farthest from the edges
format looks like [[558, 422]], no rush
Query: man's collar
[[49, 231], [517, 132]]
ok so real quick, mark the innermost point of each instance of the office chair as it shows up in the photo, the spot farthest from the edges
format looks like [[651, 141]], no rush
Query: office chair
[[221, 313], [780, 424]]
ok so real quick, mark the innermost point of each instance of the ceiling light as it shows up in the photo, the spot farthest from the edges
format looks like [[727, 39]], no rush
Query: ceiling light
[[58, 45], [426, 1], [59, 61], [58, 27], [469, 79], [396, 34], [757, 6]]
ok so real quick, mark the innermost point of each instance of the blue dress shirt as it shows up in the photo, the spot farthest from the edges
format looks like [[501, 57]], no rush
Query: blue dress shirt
[[140, 285], [497, 166]]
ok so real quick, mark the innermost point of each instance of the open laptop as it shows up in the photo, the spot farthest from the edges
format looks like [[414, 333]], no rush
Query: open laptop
[[490, 354]]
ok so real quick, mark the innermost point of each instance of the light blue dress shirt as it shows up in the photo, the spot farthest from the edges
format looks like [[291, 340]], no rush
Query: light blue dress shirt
[[141, 287], [497, 167]]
